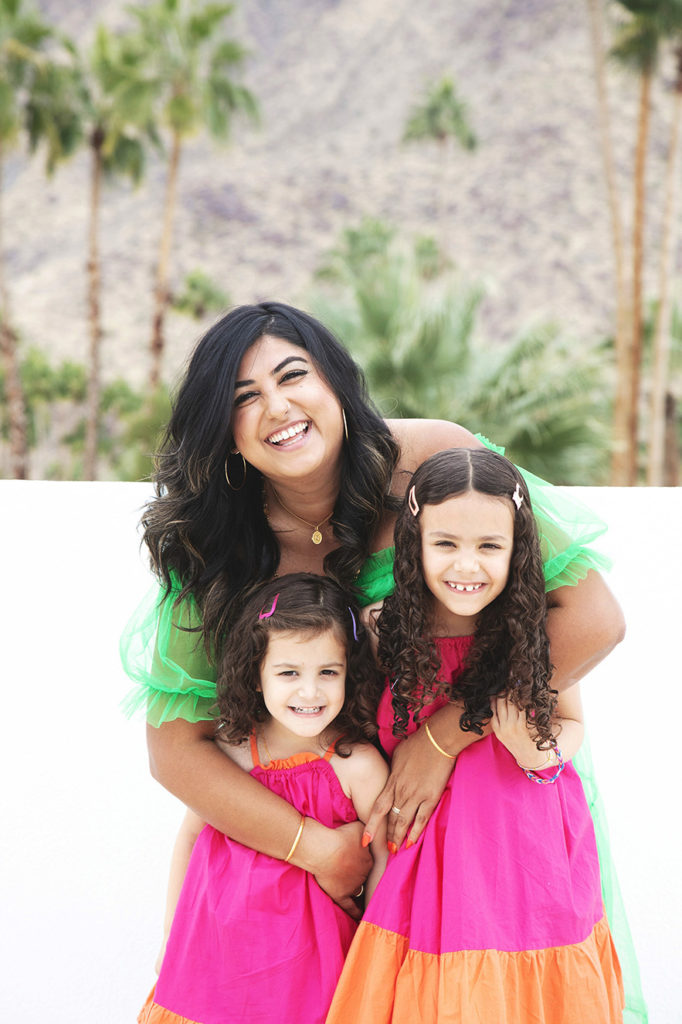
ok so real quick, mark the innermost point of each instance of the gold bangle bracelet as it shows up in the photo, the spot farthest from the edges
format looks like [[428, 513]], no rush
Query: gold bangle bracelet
[[436, 745], [296, 840], [548, 760]]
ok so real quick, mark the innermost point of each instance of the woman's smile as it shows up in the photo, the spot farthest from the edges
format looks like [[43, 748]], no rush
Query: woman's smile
[[283, 406], [283, 438]]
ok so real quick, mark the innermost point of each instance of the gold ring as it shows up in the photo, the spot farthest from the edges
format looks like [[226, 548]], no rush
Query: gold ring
[[358, 894], [395, 810]]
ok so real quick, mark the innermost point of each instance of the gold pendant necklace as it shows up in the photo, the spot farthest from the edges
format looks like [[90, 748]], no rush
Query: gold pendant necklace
[[315, 527]]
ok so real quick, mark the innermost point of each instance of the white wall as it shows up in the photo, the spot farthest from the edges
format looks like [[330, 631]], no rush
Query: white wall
[[86, 834]]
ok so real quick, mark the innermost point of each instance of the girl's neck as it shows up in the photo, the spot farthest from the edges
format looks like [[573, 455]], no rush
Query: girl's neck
[[443, 622], [276, 743]]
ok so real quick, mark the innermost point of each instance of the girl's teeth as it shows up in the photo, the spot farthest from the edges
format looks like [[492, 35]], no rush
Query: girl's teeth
[[307, 711], [468, 588]]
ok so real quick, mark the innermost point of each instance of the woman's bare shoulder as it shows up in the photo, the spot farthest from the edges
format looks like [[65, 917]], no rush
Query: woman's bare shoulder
[[420, 438]]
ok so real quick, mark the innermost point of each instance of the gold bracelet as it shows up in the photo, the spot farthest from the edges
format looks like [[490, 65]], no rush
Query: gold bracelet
[[296, 840], [440, 750], [548, 760]]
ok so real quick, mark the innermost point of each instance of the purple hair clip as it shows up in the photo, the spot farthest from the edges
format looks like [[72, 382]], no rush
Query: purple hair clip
[[355, 625], [412, 502], [266, 615], [517, 497]]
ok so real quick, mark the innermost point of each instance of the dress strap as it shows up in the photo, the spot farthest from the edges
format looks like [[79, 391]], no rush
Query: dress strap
[[331, 749], [254, 750]]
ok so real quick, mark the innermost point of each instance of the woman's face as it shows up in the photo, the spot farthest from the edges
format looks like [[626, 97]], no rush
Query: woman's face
[[286, 420]]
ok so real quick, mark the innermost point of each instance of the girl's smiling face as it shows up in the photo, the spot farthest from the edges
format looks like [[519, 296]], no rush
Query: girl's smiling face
[[466, 548], [303, 681], [286, 420]]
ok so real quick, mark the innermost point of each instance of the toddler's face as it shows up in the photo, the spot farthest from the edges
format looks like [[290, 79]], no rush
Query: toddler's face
[[303, 680]]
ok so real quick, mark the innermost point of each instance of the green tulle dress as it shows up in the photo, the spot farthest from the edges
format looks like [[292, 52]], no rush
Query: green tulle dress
[[165, 656]]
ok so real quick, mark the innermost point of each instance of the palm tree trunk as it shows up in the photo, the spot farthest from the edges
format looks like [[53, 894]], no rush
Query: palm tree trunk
[[14, 392], [637, 278], [661, 341], [94, 312], [671, 474], [622, 339], [161, 290]]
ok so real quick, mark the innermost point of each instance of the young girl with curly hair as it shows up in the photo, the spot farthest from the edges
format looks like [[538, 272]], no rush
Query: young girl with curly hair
[[495, 913], [254, 938]]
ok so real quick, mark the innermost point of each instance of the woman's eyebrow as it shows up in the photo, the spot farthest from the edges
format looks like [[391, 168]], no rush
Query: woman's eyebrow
[[280, 366]]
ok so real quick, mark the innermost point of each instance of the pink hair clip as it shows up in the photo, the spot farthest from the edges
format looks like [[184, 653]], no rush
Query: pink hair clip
[[266, 615], [412, 502], [517, 497], [355, 625]]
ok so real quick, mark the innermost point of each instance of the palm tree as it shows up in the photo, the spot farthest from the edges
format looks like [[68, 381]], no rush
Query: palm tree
[[441, 117], [22, 35], [637, 48], [415, 337], [623, 332], [89, 90], [183, 70], [658, 402]]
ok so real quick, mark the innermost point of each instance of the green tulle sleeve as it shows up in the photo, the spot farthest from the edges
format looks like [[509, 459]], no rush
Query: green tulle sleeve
[[163, 653], [567, 528]]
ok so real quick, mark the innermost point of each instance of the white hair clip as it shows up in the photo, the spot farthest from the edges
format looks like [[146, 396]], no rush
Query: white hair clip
[[517, 497], [412, 502]]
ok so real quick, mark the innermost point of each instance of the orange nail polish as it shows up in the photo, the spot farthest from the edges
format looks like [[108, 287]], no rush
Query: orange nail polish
[[366, 839], [392, 848], [409, 843]]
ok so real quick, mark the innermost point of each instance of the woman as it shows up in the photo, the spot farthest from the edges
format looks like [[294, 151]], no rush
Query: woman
[[275, 461]]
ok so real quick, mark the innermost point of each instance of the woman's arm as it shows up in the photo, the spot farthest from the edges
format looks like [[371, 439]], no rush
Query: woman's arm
[[186, 761], [584, 624]]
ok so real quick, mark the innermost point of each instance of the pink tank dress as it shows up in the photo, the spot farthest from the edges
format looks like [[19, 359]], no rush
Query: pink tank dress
[[495, 915], [255, 940]]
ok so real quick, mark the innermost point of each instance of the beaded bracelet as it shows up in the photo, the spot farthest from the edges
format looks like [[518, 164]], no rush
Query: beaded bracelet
[[531, 773], [296, 840], [437, 745]]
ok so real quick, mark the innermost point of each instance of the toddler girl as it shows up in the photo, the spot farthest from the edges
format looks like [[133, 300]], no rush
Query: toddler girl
[[255, 939]]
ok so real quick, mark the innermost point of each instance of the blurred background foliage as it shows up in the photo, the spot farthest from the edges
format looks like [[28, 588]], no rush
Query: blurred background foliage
[[574, 408]]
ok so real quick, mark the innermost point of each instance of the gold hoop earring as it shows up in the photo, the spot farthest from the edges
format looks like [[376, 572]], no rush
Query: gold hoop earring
[[227, 475], [345, 424]]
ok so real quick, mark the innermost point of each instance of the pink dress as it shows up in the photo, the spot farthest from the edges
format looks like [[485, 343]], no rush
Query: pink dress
[[255, 940], [495, 915]]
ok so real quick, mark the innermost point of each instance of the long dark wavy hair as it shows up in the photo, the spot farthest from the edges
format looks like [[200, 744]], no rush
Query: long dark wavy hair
[[510, 650], [306, 604], [217, 540]]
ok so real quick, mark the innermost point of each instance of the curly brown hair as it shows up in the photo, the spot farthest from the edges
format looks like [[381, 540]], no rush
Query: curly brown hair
[[306, 604], [510, 650]]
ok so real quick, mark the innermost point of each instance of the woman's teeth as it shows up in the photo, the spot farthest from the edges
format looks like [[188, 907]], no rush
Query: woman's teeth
[[286, 435]]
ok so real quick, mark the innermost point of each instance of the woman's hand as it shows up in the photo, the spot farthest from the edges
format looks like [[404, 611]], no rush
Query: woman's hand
[[419, 774], [337, 859]]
